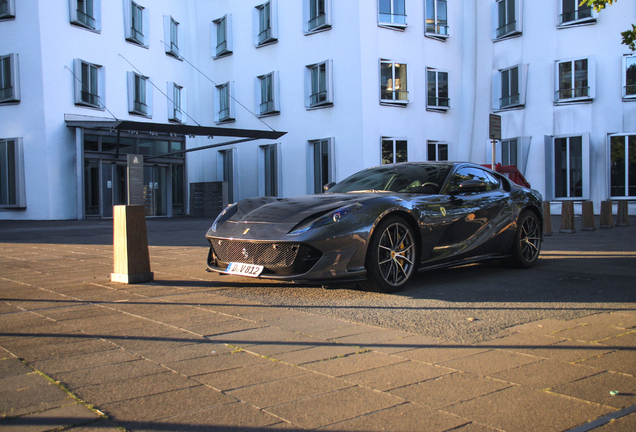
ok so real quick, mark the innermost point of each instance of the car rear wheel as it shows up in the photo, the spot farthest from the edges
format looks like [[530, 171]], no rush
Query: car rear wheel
[[527, 246], [391, 256]]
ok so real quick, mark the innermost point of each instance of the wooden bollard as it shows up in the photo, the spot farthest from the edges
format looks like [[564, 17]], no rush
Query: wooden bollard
[[606, 215], [622, 219], [588, 223], [547, 219], [567, 217], [130, 245]]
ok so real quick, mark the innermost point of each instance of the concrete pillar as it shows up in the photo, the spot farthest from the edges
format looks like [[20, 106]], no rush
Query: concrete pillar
[[588, 223], [567, 217], [547, 219], [606, 215], [622, 219], [130, 244]]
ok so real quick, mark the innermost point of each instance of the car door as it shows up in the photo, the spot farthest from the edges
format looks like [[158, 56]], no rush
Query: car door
[[471, 215]]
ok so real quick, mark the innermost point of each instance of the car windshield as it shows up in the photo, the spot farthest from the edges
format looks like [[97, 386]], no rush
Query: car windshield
[[408, 178]]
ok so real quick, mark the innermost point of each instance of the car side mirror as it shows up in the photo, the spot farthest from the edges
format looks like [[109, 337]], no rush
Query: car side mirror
[[473, 186], [328, 186]]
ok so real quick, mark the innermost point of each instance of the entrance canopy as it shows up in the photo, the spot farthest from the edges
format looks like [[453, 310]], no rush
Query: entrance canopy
[[73, 120]]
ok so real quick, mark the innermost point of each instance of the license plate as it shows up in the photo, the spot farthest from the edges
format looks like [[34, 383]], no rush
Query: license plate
[[241, 269]]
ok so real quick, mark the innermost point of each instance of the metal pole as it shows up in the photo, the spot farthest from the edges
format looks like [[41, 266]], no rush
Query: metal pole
[[494, 150]]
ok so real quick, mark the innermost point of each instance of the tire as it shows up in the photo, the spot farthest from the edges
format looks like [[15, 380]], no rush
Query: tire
[[527, 246], [391, 259]]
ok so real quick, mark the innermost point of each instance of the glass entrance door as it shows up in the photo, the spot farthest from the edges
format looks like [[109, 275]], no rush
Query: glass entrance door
[[155, 190], [113, 187]]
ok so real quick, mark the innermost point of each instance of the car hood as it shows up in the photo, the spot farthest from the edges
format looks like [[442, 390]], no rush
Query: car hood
[[292, 210]]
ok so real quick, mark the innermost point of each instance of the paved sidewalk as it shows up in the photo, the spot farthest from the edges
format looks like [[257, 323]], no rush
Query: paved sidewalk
[[82, 353]]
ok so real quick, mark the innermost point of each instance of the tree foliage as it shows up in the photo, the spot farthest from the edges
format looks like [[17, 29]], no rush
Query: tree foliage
[[629, 36]]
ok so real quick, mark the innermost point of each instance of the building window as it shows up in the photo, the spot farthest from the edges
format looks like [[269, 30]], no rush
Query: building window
[[509, 87], [319, 85], [266, 23], [629, 77], [437, 90], [136, 21], [509, 152], [9, 79], [139, 95], [437, 151], [392, 14], [320, 166], [393, 85], [226, 171], [575, 12], [567, 167], [394, 150], [7, 9], [317, 15], [575, 80], [86, 13], [89, 86], [268, 94], [506, 18], [224, 103], [176, 102], [622, 166], [222, 37], [436, 18], [268, 179], [172, 36], [12, 193]]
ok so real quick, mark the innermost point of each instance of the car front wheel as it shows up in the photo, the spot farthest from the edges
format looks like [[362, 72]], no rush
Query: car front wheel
[[527, 246], [391, 256]]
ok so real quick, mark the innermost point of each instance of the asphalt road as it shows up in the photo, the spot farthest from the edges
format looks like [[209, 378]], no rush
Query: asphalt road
[[577, 274]]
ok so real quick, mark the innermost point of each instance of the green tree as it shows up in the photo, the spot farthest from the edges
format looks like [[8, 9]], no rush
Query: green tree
[[629, 36]]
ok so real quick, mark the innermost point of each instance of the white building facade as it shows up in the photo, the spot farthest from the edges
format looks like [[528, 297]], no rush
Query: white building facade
[[354, 83]]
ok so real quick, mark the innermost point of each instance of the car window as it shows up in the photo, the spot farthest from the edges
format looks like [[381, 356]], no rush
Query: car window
[[409, 178], [473, 173]]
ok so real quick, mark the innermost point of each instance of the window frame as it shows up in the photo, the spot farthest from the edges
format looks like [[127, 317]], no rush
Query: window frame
[[10, 11], [219, 90], [269, 177], [628, 97], [268, 10], [309, 6], [590, 77], [517, 30], [225, 23], [274, 92], [440, 35], [80, 86], [576, 21], [326, 83], [393, 101], [627, 155], [394, 151], [437, 146], [136, 34], [77, 16], [134, 105], [176, 111], [392, 24], [172, 30], [12, 184], [228, 158], [497, 88], [12, 96], [316, 170], [436, 107], [550, 169]]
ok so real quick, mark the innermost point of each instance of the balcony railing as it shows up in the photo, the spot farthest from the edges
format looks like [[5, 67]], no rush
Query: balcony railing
[[6, 93], [509, 100], [267, 107], [388, 18], [439, 102], [90, 98], [576, 15], [141, 107], [221, 48], [317, 98], [630, 90], [85, 19], [573, 93], [440, 29], [224, 114], [317, 21], [506, 28], [397, 95], [265, 35]]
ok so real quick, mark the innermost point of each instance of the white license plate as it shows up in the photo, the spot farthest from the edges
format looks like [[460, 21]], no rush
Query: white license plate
[[241, 269]]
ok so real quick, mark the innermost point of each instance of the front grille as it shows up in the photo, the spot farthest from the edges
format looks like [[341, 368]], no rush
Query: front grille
[[272, 255]]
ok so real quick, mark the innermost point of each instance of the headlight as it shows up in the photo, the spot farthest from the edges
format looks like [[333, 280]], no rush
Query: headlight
[[227, 213], [331, 217]]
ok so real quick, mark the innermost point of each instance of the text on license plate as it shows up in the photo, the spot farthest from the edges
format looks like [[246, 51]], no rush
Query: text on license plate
[[244, 269]]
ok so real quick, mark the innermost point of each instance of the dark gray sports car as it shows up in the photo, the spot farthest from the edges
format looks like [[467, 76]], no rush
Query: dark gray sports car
[[380, 225]]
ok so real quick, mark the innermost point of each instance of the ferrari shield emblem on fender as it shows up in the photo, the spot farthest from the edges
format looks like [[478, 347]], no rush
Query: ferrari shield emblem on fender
[[443, 210]]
